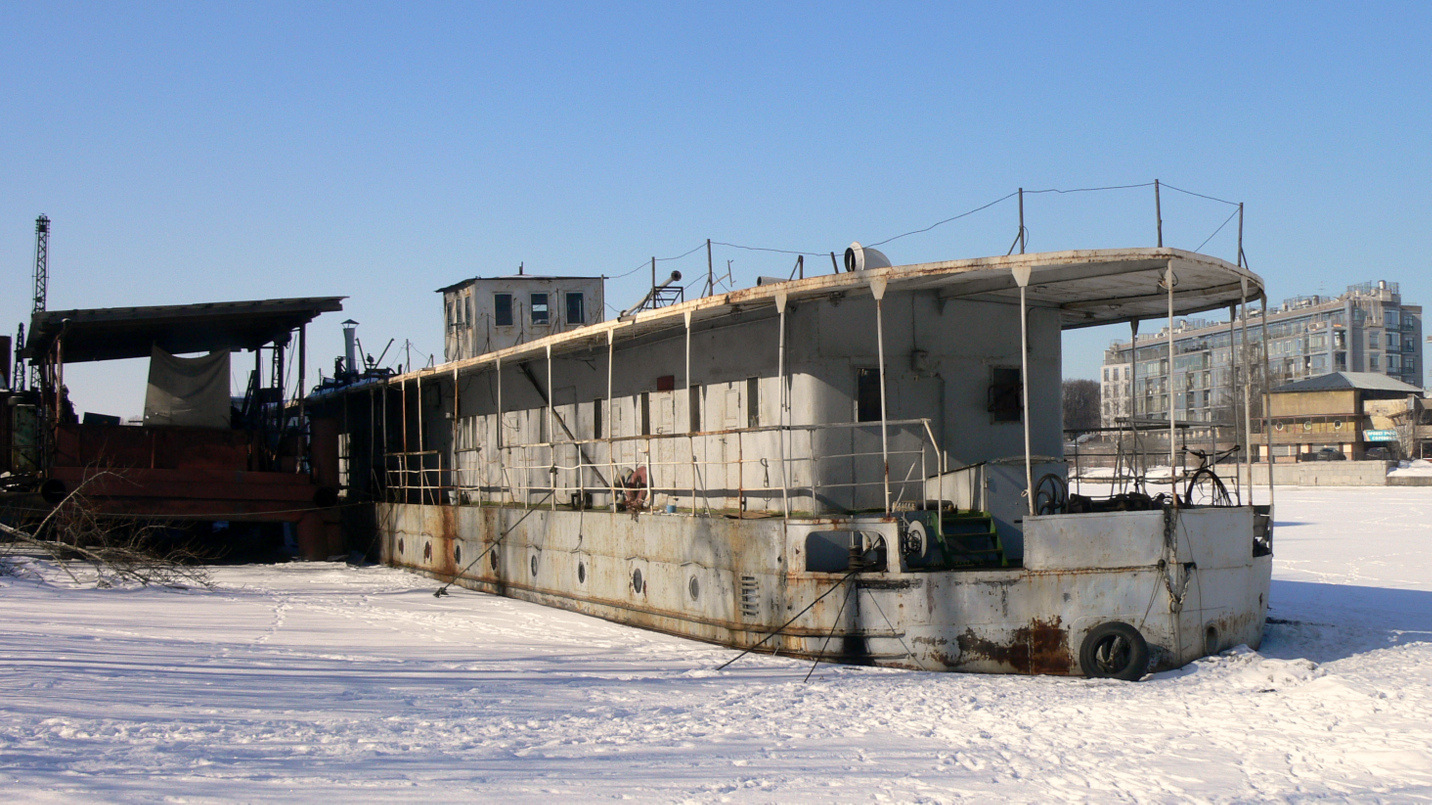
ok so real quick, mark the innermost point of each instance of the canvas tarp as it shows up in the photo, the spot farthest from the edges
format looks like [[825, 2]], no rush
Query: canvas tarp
[[188, 391]]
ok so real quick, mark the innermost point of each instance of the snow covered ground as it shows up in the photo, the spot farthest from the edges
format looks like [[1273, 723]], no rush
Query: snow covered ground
[[307, 682]]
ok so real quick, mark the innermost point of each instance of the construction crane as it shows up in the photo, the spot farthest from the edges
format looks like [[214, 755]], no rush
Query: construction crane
[[42, 284]]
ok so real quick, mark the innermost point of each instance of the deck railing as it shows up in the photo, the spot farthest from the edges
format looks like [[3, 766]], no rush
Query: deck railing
[[771, 466]]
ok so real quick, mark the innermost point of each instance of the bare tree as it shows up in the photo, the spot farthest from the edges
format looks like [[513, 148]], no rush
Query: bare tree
[[1081, 404], [118, 550]]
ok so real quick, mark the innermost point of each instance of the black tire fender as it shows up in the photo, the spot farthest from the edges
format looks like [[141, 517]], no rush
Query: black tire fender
[[1114, 650]]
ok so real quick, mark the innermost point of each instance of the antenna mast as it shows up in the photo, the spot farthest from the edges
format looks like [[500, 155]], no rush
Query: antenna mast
[[42, 283]]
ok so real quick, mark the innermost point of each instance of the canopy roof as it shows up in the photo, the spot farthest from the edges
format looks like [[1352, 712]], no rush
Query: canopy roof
[[113, 333], [1087, 287]]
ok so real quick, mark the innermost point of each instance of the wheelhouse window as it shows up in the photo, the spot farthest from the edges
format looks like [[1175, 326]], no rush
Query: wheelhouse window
[[867, 395], [576, 309], [540, 314], [502, 309], [1004, 394]]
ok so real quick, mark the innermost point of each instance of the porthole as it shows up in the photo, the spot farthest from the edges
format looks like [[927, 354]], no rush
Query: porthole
[[456, 552], [492, 558], [1337, 425], [534, 564], [581, 572], [1277, 426], [1308, 425], [694, 587], [637, 585]]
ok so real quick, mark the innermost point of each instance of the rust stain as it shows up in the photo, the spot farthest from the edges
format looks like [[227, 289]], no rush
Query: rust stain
[[1042, 647], [446, 563]]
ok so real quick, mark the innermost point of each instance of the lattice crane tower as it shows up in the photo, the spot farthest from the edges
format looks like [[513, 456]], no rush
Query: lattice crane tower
[[42, 283]]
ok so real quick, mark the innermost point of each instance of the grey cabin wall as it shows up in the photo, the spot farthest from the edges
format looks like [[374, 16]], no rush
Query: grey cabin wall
[[827, 343]]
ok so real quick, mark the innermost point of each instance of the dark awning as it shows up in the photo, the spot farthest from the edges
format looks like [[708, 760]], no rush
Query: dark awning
[[114, 333]]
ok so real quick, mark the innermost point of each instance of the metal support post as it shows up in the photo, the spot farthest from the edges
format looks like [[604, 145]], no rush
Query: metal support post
[[877, 289], [785, 407], [1021, 278], [1158, 213], [1267, 401], [611, 427], [692, 414], [1172, 428]]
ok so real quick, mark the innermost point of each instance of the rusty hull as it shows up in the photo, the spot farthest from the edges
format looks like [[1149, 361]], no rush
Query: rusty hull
[[733, 582]]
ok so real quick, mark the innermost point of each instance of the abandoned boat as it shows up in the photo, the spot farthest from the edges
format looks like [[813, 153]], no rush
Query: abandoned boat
[[831, 467]]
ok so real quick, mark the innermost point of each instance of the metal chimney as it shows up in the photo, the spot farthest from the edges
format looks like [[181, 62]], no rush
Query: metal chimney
[[350, 346]]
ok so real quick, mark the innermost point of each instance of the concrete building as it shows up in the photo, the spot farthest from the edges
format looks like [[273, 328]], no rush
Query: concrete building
[[1366, 329], [1351, 413], [482, 315]]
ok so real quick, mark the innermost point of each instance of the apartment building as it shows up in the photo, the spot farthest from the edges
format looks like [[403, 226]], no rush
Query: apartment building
[[1366, 329]]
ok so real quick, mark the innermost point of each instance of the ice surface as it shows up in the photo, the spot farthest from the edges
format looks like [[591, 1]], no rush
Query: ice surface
[[308, 682]]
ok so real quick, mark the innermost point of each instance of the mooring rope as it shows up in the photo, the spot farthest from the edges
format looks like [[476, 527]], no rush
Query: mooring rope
[[442, 591], [770, 635]]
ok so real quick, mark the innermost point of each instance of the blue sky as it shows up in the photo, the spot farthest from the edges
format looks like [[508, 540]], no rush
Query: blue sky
[[195, 152]]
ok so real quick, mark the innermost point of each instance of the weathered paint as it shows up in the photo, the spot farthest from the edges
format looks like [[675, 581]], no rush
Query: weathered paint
[[1022, 620]]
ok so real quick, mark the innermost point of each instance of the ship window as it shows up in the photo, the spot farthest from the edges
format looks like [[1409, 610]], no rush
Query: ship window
[[502, 309], [576, 309], [753, 402], [1004, 394], [539, 308], [867, 395]]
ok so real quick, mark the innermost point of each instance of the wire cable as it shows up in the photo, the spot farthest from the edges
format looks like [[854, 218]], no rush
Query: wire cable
[[967, 213], [1200, 195], [1089, 189], [947, 220], [1230, 217], [647, 263], [767, 249]]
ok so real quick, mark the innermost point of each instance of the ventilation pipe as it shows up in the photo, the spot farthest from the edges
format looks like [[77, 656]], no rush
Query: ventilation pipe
[[860, 258]]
